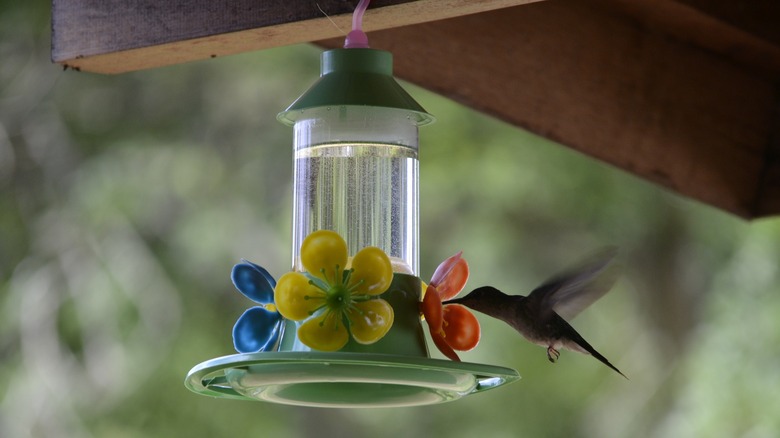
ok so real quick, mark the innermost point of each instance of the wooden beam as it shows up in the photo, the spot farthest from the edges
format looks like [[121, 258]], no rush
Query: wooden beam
[[606, 85], [756, 17], [768, 199], [115, 36], [747, 42]]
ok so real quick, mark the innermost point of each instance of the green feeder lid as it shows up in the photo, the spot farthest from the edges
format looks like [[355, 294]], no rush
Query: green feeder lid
[[356, 77]]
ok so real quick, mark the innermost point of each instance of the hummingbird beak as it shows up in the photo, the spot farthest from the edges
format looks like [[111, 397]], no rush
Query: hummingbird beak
[[462, 301]]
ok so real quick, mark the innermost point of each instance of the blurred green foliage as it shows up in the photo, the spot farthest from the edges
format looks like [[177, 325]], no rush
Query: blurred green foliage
[[125, 200]]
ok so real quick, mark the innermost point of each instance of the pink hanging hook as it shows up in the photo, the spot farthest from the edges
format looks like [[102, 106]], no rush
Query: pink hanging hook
[[356, 38]]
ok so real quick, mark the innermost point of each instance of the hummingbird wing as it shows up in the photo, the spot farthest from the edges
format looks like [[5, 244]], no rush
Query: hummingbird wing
[[570, 293]]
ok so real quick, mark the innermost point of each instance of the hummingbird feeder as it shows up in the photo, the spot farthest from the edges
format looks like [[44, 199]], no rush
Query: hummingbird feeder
[[344, 327]]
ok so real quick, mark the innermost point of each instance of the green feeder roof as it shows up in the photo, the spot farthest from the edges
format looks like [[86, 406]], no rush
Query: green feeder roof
[[356, 77]]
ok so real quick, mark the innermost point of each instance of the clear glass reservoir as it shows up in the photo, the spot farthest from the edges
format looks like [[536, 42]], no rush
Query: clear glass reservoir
[[356, 173]]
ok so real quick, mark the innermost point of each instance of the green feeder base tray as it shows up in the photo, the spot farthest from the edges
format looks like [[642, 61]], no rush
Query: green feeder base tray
[[343, 380]]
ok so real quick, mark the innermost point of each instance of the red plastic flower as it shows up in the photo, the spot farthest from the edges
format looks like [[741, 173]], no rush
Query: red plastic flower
[[452, 326]]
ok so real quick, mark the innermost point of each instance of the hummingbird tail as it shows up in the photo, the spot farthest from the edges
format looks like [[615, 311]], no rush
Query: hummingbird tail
[[604, 360], [588, 349]]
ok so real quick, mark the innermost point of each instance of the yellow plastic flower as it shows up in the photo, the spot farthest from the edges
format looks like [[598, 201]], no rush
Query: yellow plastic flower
[[333, 301]]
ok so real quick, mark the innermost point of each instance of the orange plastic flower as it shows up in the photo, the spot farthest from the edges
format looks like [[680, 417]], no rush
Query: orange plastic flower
[[452, 326]]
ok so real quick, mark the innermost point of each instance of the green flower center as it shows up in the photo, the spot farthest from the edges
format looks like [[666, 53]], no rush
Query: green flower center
[[338, 298], [339, 294]]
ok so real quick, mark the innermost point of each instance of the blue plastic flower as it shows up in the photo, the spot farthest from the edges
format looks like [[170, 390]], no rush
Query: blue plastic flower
[[259, 327]]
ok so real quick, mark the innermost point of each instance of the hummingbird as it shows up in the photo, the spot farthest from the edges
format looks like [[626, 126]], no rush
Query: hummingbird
[[541, 317]]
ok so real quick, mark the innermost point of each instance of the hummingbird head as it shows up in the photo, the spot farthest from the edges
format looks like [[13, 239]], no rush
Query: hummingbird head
[[482, 299]]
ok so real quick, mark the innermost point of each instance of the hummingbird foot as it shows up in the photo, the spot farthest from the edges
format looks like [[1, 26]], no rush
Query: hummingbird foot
[[552, 354]]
